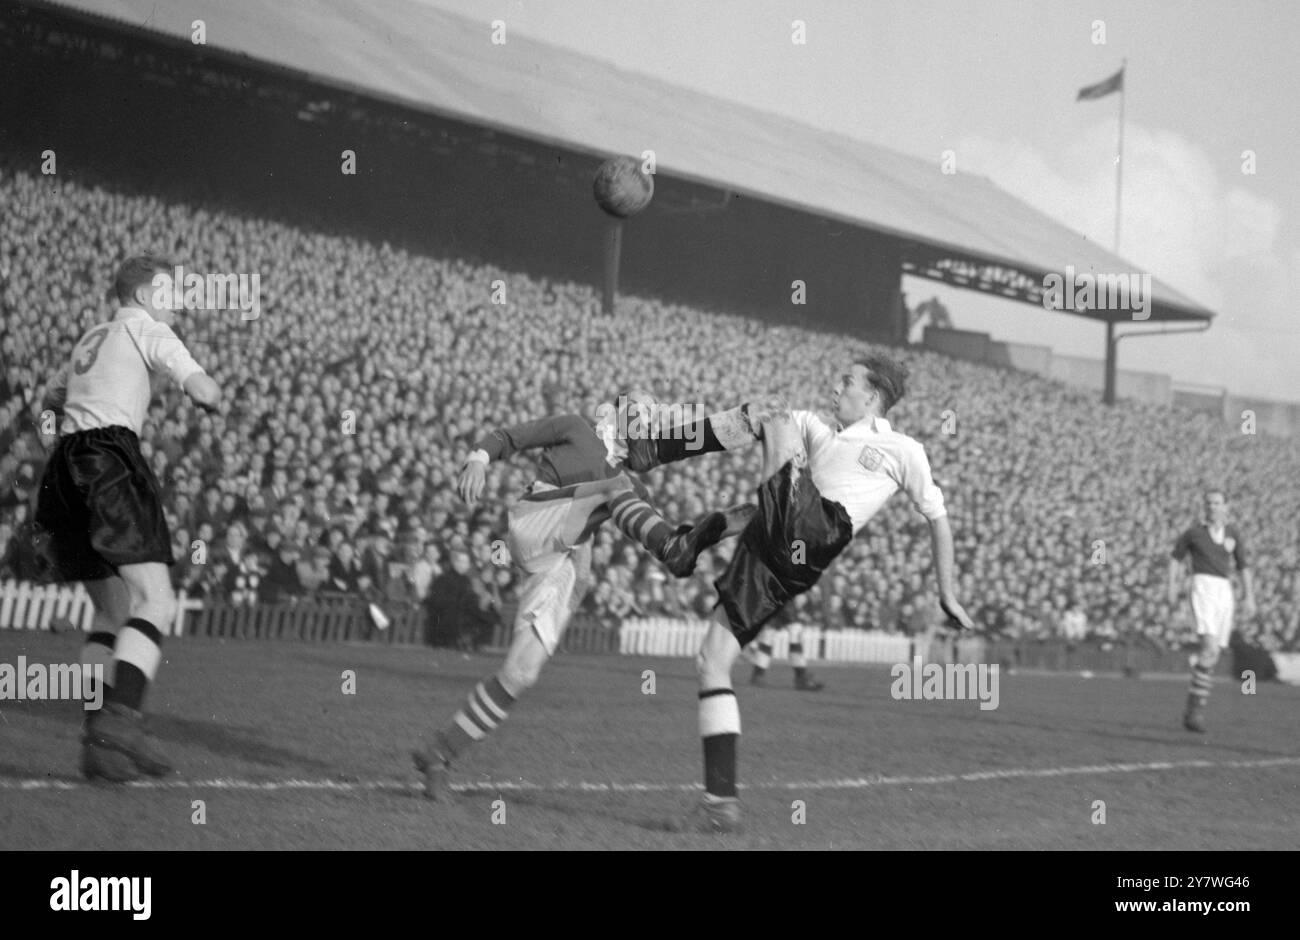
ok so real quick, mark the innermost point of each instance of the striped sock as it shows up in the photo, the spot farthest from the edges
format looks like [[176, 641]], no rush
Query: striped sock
[[1199, 692], [720, 731], [484, 710], [639, 522], [97, 651], [136, 656]]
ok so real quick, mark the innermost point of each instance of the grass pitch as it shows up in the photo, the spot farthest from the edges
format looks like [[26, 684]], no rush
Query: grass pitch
[[281, 758]]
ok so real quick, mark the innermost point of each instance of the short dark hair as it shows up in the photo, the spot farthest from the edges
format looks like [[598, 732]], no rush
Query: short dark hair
[[136, 271], [888, 376]]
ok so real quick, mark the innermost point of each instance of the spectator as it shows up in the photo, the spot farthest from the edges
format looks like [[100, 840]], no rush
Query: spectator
[[413, 372], [458, 610]]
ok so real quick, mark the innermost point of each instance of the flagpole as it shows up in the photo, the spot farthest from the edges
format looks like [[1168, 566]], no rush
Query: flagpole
[[1119, 159]]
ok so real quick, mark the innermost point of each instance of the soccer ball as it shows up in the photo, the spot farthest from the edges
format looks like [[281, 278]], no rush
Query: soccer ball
[[621, 189]]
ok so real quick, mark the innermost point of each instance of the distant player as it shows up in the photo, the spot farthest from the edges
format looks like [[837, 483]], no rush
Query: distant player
[[821, 486], [99, 516], [1215, 547], [760, 651], [582, 483]]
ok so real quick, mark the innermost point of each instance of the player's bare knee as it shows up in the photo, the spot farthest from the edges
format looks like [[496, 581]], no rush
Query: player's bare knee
[[520, 676], [159, 610], [714, 660], [523, 665], [710, 673]]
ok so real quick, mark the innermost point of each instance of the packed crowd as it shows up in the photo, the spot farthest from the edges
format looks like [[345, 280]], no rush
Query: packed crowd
[[354, 397]]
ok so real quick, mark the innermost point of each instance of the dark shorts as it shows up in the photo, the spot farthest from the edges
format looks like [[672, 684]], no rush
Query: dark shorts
[[99, 507], [784, 549]]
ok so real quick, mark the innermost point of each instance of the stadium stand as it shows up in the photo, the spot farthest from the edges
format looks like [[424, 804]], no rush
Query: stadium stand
[[356, 394]]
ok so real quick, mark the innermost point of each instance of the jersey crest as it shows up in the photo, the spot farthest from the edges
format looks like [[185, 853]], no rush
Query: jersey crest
[[871, 458]]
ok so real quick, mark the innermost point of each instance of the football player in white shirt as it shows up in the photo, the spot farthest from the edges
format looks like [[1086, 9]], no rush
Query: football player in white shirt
[[99, 514], [821, 486]]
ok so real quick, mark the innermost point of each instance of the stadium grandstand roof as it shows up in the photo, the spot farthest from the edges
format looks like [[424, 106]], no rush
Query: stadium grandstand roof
[[958, 228]]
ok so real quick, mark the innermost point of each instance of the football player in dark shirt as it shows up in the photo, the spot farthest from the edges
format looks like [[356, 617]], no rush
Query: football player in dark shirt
[[582, 481], [1215, 548]]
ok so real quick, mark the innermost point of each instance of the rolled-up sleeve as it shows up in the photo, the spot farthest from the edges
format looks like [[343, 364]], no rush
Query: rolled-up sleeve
[[164, 352], [918, 482]]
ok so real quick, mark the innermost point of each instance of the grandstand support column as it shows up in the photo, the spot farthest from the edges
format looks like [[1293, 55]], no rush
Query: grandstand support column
[[886, 317], [613, 256], [1112, 349], [1108, 396]]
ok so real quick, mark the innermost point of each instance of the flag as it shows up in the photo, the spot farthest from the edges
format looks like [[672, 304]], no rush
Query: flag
[[1102, 89]]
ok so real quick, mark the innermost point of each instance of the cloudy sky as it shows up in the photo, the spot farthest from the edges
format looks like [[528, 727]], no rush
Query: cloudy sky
[[996, 82]]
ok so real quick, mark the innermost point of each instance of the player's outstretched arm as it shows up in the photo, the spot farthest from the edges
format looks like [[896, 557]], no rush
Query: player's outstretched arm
[[203, 391], [1248, 589], [504, 442], [473, 478], [56, 392], [945, 568]]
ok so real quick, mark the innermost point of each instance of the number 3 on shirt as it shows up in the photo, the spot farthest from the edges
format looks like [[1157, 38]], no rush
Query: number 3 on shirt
[[89, 348]]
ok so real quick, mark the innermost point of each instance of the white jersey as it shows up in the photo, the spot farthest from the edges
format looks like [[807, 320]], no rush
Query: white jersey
[[107, 380], [861, 466]]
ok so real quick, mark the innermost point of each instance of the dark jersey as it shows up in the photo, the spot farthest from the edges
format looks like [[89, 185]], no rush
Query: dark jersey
[[1209, 556], [572, 451]]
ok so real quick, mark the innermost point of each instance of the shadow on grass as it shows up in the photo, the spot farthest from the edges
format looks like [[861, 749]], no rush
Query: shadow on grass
[[242, 743]]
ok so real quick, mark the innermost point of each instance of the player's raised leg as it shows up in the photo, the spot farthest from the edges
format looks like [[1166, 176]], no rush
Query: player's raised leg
[[677, 548]]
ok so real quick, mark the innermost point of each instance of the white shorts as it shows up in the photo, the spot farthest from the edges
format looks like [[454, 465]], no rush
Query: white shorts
[[542, 541], [543, 531], [548, 598], [1212, 606]]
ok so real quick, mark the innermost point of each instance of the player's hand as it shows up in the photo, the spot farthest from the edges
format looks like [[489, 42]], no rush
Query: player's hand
[[472, 480], [957, 616]]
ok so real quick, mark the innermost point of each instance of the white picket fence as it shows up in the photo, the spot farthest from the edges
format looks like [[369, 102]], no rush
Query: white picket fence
[[666, 636], [27, 606], [661, 636]]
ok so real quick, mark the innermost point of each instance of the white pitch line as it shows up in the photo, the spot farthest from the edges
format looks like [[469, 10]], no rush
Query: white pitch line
[[521, 786]]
